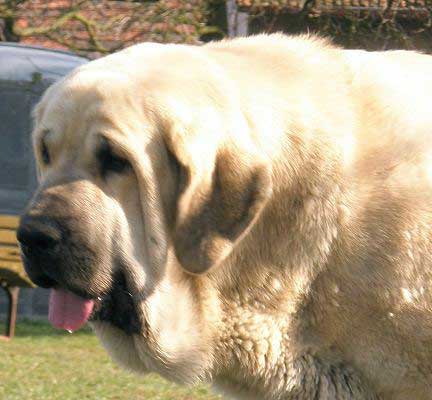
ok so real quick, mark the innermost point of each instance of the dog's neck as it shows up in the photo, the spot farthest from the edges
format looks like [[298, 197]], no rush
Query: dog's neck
[[259, 344], [261, 333]]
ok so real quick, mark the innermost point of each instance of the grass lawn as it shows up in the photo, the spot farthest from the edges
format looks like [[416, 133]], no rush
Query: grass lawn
[[41, 363]]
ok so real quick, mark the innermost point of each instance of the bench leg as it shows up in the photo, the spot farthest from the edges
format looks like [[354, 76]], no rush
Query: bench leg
[[12, 294]]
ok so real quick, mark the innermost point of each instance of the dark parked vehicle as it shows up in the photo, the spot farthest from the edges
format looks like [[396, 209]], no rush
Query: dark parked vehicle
[[25, 73]]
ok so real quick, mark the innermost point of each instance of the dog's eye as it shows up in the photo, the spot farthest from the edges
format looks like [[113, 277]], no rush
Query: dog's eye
[[110, 162], [45, 154]]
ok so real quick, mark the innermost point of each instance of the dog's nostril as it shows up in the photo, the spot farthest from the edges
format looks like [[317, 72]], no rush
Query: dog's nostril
[[35, 235]]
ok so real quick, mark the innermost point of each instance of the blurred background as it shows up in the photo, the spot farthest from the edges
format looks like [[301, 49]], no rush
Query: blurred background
[[97, 27]]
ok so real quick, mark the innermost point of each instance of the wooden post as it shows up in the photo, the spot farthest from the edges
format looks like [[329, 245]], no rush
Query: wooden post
[[238, 21], [12, 293]]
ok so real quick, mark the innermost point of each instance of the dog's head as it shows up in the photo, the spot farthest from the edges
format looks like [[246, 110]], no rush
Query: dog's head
[[149, 181]]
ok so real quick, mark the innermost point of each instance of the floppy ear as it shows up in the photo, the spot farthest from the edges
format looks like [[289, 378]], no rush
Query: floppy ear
[[218, 204]]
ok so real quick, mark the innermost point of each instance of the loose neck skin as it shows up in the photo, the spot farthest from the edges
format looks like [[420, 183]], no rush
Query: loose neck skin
[[262, 315]]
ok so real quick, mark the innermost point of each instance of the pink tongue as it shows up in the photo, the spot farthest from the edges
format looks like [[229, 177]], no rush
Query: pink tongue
[[67, 310]]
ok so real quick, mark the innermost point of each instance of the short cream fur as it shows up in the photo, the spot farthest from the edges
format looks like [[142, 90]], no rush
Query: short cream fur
[[277, 220]]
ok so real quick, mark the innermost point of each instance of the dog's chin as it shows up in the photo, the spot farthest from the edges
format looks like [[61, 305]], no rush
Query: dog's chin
[[120, 346], [118, 308]]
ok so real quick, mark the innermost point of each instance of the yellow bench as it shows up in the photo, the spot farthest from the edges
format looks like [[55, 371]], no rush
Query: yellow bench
[[12, 274]]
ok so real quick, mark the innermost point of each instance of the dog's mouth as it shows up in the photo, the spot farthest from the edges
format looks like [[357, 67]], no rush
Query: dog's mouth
[[118, 307], [70, 311]]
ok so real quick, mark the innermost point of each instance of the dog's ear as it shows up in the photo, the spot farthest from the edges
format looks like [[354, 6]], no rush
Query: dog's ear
[[221, 195]]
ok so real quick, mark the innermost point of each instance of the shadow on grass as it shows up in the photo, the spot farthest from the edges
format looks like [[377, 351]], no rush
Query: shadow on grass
[[28, 328]]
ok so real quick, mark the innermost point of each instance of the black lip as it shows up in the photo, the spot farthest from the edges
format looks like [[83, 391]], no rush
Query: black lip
[[47, 282], [38, 279], [81, 293], [53, 281], [115, 306], [118, 307]]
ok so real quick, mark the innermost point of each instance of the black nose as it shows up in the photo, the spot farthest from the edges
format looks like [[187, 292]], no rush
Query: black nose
[[38, 234], [40, 239]]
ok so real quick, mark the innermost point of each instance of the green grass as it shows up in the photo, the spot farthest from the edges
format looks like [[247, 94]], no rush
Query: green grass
[[41, 363]]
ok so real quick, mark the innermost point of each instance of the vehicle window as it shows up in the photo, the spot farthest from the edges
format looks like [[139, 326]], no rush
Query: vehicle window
[[14, 139]]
